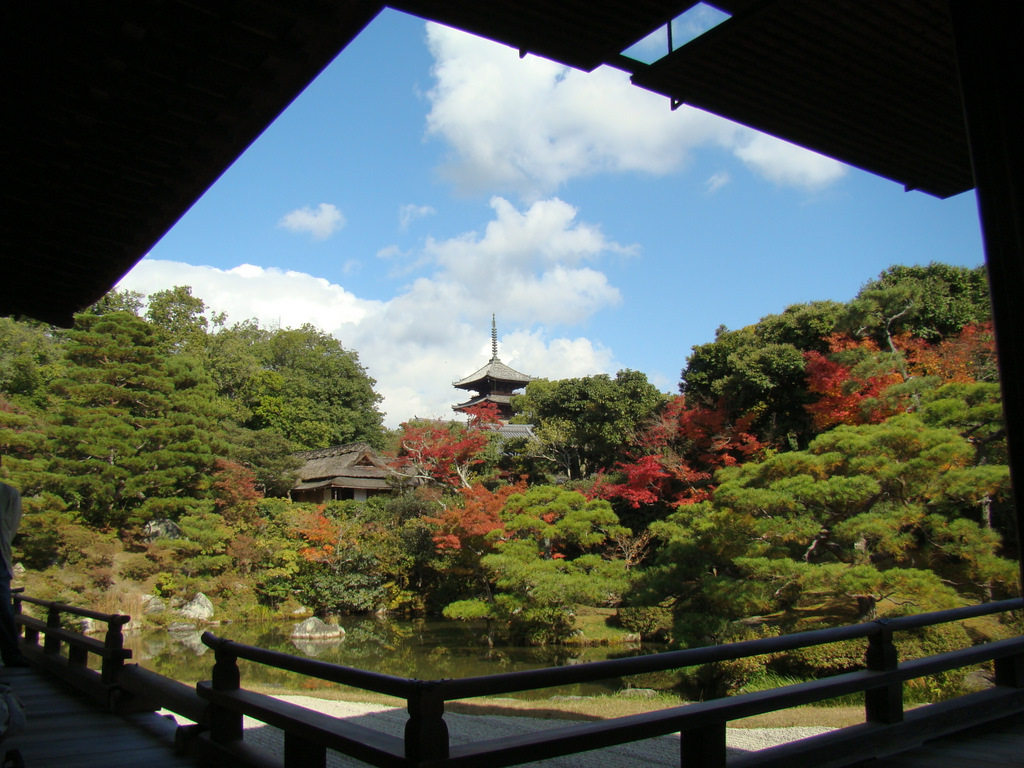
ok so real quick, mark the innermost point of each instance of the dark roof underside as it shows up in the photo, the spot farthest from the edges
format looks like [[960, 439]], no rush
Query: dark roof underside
[[873, 84], [481, 399], [119, 115]]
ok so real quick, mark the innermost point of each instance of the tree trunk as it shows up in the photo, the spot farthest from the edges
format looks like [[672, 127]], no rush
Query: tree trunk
[[866, 608]]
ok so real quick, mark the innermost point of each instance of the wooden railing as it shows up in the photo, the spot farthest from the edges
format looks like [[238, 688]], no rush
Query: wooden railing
[[887, 728], [218, 706], [65, 651]]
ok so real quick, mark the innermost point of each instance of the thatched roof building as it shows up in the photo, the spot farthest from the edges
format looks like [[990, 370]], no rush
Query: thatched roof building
[[351, 471]]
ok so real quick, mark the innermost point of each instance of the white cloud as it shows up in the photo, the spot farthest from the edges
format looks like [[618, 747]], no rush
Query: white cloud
[[530, 264], [556, 358], [273, 296], [534, 268], [409, 213], [389, 252], [320, 222], [530, 125], [787, 164], [717, 181]]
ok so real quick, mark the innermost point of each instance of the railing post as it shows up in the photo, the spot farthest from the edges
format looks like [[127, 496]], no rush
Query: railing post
[[225, 725], [51, 643], [885, 704], [113, 661], [703, 747], [1010, 671], [16, 603], [426, 732], [16, 599]]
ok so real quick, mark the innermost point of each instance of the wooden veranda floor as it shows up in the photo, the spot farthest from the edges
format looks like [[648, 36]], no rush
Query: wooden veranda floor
[[993, 745], [66, 730]]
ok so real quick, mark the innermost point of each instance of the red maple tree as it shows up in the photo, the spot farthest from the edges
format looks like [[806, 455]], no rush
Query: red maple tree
[[847, 396], [679, 455], [446, 451]]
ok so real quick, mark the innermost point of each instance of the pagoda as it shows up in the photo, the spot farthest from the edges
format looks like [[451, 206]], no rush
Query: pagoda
[[494, 383]]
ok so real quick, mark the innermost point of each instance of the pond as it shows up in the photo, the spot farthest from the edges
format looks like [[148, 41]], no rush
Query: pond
[[423, 649]]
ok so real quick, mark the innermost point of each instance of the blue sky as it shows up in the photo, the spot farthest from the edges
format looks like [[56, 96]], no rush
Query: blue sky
[[428, 179]]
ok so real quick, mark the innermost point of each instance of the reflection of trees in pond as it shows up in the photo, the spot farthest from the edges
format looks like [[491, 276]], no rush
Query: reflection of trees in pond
[[421, 649]]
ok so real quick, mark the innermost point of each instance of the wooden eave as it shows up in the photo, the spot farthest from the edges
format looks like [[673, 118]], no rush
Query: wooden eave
[[872, 84]]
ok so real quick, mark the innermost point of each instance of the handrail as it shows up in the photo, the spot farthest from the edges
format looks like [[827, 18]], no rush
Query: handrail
[[700, 715], [702, 725], [75, 666], [218, 706], [527, 680], [85, 613], [377, 682]]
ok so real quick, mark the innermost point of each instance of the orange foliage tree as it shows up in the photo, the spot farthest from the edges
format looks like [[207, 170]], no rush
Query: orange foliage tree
[[968, 357], [466, 526], [852, 379]]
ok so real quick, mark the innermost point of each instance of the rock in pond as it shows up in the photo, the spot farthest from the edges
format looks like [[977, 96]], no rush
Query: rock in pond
[[151, 604], [316, 629], [198, 608]]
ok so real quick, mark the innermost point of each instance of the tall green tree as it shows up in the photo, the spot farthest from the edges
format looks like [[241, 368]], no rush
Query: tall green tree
[[132, 440], [867, 515], [930, 302], [583, 423], [179, 318], [759, 371], [312, 390], [31, 356]]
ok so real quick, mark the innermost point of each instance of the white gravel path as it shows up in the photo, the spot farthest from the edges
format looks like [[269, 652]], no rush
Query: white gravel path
[[652, 753]]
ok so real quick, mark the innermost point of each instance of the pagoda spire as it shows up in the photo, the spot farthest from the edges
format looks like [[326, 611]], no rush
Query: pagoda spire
[[494, 339], [494, 383]]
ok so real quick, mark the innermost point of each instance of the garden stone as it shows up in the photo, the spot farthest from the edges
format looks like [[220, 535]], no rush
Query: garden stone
[[161, 529], [199, 608], [151, 604], [191, 640], [316, 629]]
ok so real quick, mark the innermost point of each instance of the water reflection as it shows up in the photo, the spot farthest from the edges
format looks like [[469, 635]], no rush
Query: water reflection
[[427, 650], [314, 649]]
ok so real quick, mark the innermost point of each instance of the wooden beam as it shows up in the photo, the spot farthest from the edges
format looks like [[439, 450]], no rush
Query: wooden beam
[[990, 60]]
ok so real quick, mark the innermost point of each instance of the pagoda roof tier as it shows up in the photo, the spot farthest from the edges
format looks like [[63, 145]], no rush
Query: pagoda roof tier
[[489, 398], [495, 370]]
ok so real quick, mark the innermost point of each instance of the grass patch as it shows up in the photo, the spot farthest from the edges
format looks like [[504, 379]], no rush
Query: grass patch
[[594, 627]]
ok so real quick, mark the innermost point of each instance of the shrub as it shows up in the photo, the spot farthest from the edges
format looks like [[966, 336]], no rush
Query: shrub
[[712, 681], [651, 622], [137, 566], [822, 660]]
